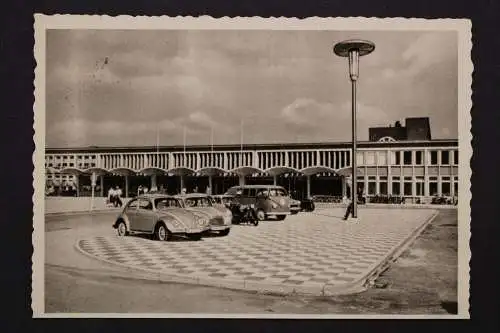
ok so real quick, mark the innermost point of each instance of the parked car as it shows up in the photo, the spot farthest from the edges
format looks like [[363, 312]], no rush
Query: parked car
[[161, 216], [294, 206], [219, 217], [222, 200], [268, 200]]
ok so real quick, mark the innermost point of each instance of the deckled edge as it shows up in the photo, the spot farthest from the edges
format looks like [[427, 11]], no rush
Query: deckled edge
[[462, 26], [465, 140], [38, 237]]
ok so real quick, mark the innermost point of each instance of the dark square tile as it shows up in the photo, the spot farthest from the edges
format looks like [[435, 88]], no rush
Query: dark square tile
[[297, 282]]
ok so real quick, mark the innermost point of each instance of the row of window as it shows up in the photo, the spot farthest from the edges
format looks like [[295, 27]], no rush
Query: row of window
[[71, 157], [408, 157], [70, 165], [405, 185], [60, 177]]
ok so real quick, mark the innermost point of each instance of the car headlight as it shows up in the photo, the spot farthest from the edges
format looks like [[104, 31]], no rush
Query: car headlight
[[202, 222]]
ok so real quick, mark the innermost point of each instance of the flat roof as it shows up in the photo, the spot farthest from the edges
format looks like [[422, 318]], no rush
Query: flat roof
[[250, 147]]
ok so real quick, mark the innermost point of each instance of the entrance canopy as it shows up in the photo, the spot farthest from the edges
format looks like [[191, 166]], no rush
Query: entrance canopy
[[51, 170], [246, 171], [122, 171], [348, 171], [181, 171], [72, 171], [279, 170], [153, 171], [309, 171], [98, 171], [211, 171]]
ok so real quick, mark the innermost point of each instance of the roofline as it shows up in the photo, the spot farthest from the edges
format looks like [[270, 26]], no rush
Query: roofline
[[246, 147]]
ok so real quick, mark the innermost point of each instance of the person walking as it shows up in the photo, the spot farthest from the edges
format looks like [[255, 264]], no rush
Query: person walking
[[350, 203], [350, 208]]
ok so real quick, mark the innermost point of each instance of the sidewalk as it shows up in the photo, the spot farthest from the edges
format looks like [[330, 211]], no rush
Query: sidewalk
[[62, 205]]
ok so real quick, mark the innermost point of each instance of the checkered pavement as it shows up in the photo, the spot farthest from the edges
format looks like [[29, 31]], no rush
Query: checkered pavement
[[311, 249]]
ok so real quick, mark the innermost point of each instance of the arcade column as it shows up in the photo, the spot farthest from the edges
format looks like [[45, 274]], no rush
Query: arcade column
[[182, 184], [210, 184], [308, 188], [241, 180], [77, 185], [275, 180], [153, 182], [344, 187], [126, 186], [101, 181]]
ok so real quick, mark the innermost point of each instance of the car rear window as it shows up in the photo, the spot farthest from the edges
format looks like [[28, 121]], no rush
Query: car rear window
[[277, 193], [166, 203], [198, 202]]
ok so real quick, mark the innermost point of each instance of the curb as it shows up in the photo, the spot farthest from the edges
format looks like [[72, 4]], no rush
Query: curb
[[357, 286], [82, 212], [395, 253]]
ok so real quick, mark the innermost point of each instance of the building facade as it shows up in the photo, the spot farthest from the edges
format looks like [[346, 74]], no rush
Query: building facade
[[414, 169]]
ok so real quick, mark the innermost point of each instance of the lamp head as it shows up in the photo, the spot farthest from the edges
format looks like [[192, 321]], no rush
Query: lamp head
[[353, 49]]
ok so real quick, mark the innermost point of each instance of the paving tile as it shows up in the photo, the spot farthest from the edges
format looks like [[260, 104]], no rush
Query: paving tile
[[307, 250]]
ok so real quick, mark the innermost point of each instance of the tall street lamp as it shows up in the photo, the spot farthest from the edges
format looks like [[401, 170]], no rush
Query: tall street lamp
[[353, 49]]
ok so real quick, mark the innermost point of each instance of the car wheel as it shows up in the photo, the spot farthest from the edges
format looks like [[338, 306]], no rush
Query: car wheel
[[195, 237], [122, 229], [294, 212], [225, 232], [261, 216], [280, 217], [162, 233]]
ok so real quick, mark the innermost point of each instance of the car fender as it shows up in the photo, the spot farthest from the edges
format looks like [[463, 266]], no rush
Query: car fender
[[171, 224], [123, 217]]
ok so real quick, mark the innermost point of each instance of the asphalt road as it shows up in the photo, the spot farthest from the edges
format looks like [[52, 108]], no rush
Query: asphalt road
[[422, 281]]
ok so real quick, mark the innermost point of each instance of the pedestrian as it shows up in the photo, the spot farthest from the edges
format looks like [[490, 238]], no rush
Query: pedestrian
[[111, 196], [208, 190], [350, 208], [348, 200], [118, 195]]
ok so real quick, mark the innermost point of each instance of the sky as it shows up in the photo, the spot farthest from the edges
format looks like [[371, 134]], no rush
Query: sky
[[135, 88]]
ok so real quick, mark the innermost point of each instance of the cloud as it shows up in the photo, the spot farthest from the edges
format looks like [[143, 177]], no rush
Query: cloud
[[80, 132], [304, 113], [428, 50], [311, 119]]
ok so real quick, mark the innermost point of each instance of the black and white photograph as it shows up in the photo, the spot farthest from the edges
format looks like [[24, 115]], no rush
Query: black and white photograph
[[251, 167]]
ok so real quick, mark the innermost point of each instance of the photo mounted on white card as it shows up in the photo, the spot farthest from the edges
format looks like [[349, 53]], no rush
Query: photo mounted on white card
[[257, 168]]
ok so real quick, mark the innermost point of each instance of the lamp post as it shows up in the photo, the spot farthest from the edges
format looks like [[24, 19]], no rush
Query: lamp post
[[353, 49]]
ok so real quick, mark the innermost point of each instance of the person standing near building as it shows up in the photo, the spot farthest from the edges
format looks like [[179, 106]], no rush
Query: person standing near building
[[350, 203], [118, 196], [111, 196]]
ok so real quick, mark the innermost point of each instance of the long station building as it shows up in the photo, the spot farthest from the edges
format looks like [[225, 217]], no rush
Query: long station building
[[396, 161]]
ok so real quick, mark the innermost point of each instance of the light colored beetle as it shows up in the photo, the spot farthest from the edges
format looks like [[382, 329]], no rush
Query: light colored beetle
[[219, 217], [162, 216]]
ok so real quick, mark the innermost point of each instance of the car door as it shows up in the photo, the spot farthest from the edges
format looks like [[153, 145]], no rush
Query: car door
[[145, 216], [131, 213]]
